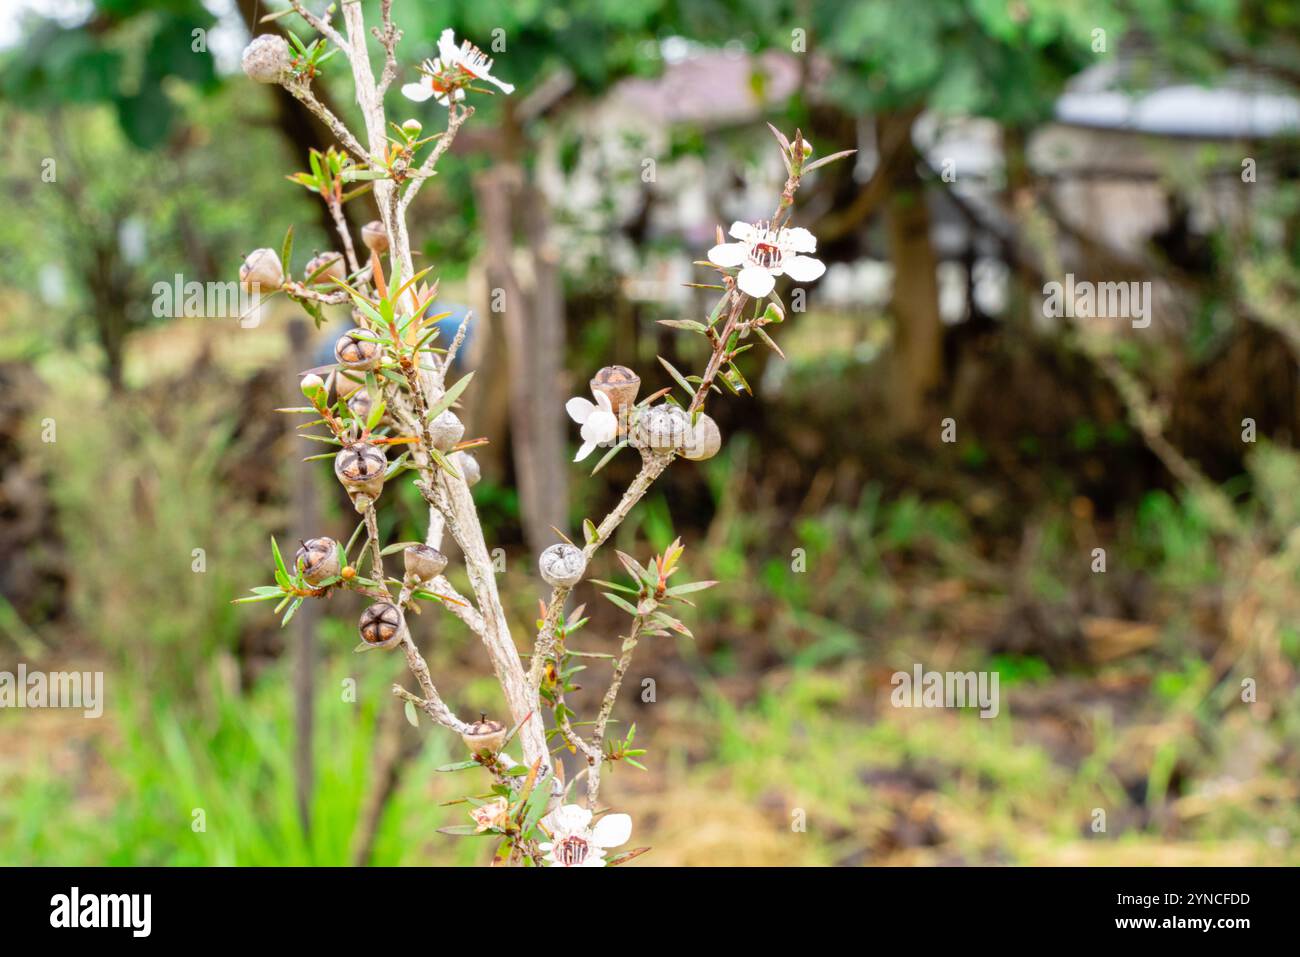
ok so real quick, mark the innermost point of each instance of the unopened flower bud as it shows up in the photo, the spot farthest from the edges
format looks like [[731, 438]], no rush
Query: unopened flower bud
[[562, 565], [319, 559], [382, 625], [467, 466], [261, 269], [620, 383], [703, 441], [266, 59], [323, 268], [662, 428], [423, 562], [446, 430], [375, 236], [360, 468], [485, 736], [355, 350], [412, 128], [313, 387]]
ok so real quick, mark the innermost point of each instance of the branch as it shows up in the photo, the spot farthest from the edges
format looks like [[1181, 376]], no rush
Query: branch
[[301, 92], [456, 117], [322, 25]]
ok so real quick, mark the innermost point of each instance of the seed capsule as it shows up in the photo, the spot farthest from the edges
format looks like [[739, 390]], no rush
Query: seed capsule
[[703, 441], [485, 736], [375, 236], [423, 562], [325, 267], [355, 351], [382, 625], [319, 558], [662, 428], [620, 383], [467, 465], [446, 430], [261, 269], [562, 565], [267, 58], [359, 405], [360, 467]]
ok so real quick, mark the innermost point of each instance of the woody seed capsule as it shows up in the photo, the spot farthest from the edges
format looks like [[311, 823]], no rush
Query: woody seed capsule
[[319, 558], [485, 736], [375, 236], [325, 267], [423, 562], [266, 59], [360, 468], [467, 465], [662, 428], [620, 383], [359, 405], [562, 565], [703, 441], [355, 351], [261, 269], [382, 625], [446, 430]]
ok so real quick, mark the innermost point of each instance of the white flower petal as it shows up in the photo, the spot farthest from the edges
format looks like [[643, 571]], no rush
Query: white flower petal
[[803, 268], [584, 450], [579, 409], [568, 818], [727, 254], [797, 239], [600, 427], [612, 830], [447, 49], [417, 91], [755, 281], [602, 400], [745, 232], [503, 87]]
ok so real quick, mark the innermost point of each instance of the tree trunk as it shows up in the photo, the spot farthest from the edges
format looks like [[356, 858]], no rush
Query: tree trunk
[[524, 286], [917, 368]]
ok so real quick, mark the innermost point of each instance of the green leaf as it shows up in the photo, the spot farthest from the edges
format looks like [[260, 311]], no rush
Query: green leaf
[[448, 397], [609, 455], [680, 379], [279, 561], [458, 766], [466, 830], [286, 249], [688, 324], [621, 603], [412, 715], [293, 608], [589, 530]]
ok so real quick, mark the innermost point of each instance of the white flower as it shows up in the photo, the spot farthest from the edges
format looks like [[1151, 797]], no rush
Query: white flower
[[575, 844], [446, 75], [599, 424], [765, 253]]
